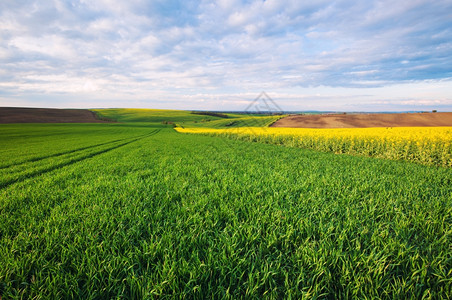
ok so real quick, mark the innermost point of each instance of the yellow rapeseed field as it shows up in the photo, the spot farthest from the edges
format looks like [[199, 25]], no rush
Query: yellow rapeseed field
[[426, 145]]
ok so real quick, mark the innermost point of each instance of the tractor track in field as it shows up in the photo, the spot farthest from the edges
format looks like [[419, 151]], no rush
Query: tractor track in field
[[36, 159], [21, 178]]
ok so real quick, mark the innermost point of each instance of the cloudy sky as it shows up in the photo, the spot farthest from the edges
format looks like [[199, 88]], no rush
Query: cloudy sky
[[219, 55]]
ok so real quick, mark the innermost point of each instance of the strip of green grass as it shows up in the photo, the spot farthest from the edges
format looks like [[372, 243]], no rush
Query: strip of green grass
[[180, 215]]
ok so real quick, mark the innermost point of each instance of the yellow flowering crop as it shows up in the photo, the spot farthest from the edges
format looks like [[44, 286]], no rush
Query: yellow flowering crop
[[427, 145]]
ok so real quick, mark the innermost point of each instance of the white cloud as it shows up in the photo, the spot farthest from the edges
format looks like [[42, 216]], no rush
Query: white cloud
[[162, 50], [49, 45]]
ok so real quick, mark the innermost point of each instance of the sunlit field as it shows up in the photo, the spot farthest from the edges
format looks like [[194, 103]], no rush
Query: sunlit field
[[426, 145], [140, 210]]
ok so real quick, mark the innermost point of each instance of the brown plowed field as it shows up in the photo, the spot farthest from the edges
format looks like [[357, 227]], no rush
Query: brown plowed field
[[46, 115], [366, 120]]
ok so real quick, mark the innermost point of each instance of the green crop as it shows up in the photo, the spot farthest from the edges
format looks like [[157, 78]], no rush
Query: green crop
[[141, 211], [238, 121], [185, 118], [151, 115]]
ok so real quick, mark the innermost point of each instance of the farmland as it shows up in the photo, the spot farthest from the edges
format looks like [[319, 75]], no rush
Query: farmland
[[138, 210], [46, 115], [426, 145], [365, 120], [185, 118]]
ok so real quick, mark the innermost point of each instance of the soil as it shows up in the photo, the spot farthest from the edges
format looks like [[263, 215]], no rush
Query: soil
[[366, 120], [46, 115]]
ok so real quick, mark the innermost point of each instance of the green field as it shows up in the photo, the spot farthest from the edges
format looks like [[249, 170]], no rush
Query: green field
[[137, 210], [184, 118], [150, 115]]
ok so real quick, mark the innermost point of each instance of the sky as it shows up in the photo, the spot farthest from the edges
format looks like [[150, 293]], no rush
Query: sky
[[386, 55]]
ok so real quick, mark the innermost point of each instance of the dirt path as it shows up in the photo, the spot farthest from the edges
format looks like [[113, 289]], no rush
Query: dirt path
[[366, 120], [46, 115]]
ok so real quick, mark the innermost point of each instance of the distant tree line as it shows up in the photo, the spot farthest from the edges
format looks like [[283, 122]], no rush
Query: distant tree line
[[209, 113]]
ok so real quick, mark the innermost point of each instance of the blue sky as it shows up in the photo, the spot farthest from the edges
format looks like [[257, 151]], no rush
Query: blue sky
[[219, 55]]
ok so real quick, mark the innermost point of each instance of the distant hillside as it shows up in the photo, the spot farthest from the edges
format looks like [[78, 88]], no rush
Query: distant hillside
[[153, 115], [46, 115], [186, 118], [366, 120]]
